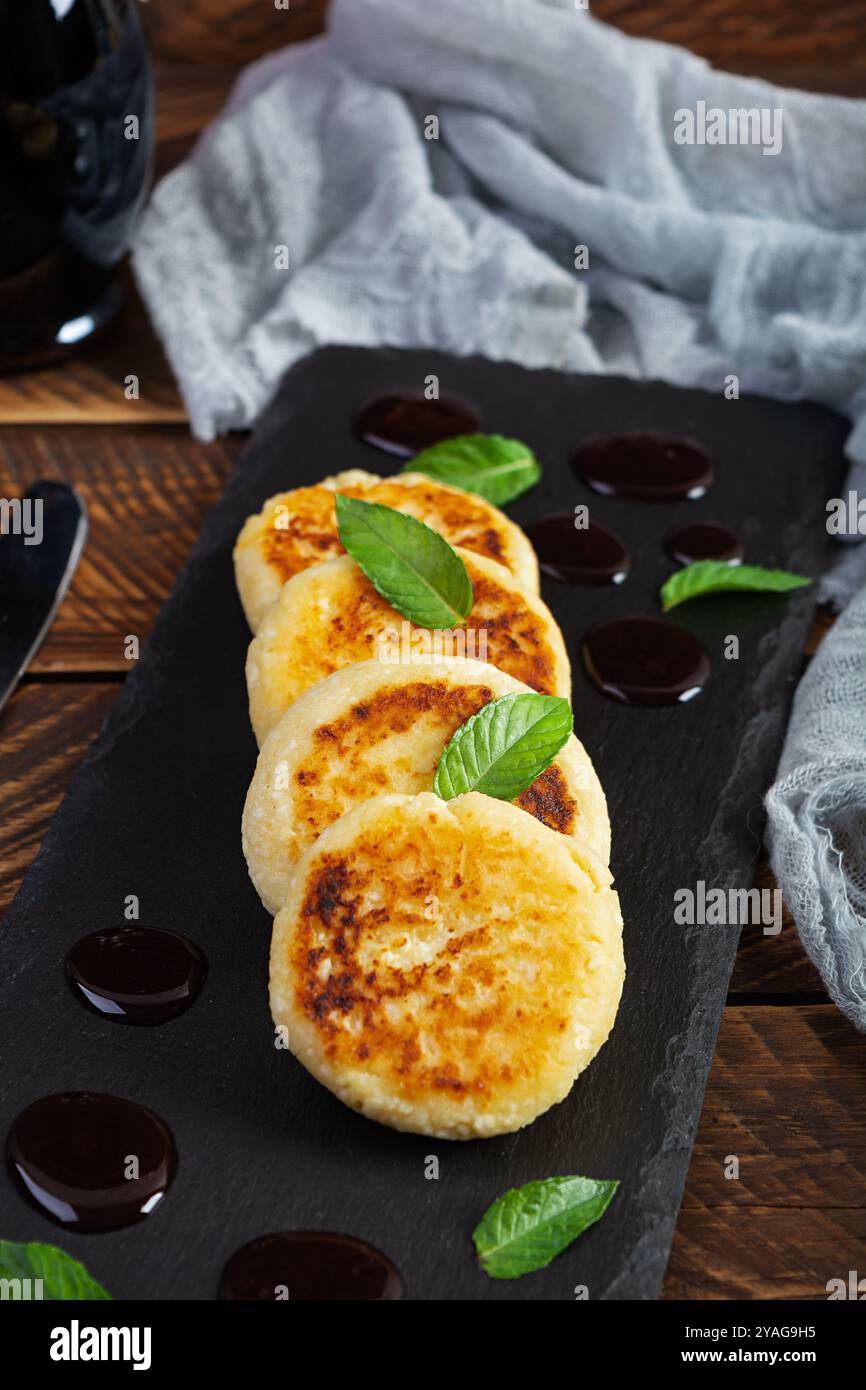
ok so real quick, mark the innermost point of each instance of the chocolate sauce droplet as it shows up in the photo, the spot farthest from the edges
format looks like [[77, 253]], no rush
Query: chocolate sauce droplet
[[703, 540], [645, 661], [578, 555], [137, 975], [72, 1153], [310, 1266], [404, 425], [647, 467]]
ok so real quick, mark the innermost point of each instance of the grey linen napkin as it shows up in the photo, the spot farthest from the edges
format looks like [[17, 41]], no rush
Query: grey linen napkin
[[551, 131], [817, 812]]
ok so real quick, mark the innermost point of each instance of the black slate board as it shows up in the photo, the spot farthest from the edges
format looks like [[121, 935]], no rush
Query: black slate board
[[155, 811]]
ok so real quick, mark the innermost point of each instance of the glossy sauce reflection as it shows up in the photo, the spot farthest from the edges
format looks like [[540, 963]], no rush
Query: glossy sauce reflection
[[72, 1152], [703, 540], [645, 467], [403, 425], [578, 555], [138, 975], [644, 661]]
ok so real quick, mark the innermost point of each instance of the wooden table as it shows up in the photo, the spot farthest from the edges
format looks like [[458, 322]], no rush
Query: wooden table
[[787, 1091]]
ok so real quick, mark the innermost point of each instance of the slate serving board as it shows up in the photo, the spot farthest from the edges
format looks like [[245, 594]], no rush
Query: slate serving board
[[155, 811]]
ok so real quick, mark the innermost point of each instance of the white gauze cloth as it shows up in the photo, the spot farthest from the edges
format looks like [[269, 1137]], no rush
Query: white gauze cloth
[[555, 131]]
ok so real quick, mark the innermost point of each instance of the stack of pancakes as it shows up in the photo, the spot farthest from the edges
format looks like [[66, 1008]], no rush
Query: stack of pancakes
[[445, 967]]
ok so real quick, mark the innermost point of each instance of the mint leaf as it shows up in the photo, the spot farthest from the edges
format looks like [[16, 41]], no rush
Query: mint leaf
[[531, 1225], [503, 748], [714, 576], [498, 469], [408, 563], [63, 1279]]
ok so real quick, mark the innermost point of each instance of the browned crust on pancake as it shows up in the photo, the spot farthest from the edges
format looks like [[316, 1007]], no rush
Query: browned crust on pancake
[[446, 968], [310, 534], [516, 638], [549, 800], [333, 905], [397, 709], [345, 743]]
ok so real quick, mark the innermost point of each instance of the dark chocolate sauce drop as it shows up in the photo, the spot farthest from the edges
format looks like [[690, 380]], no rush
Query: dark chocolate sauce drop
[[310, 1266], [136, 975], [586, 555], [647, 467], [404, 425], [644, 661], [703, 540], [72, 1153]]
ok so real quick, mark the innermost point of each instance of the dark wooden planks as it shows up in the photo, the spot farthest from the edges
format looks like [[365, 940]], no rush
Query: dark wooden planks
[[147, 493], [91, 388], [791, 42], [776, 966], [229, 31], [786, 1095]]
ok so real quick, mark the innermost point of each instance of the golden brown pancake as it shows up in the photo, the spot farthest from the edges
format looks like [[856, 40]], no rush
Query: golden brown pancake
[[297, 529], [330, 615], [372, 728], [447, 968]]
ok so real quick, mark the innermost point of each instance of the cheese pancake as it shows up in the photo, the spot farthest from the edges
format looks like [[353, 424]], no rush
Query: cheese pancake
[[374, 728], [447, 968], [297, 529], [330, 615]]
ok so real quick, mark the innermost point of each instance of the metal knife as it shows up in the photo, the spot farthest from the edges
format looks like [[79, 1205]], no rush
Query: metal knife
[[42, 535]]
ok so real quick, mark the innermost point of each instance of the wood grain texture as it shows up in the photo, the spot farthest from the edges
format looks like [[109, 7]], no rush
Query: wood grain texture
[[229, 31], [90, 388], [786, 1095], [792, 42], [188, 97], [774, 965], [147, 492]]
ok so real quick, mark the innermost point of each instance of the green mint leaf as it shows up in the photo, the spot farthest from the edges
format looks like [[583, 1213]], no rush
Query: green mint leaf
[[503, 748], [408, 563], [714, 576], [498, 469], [528, 1227], [63, 1279]]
